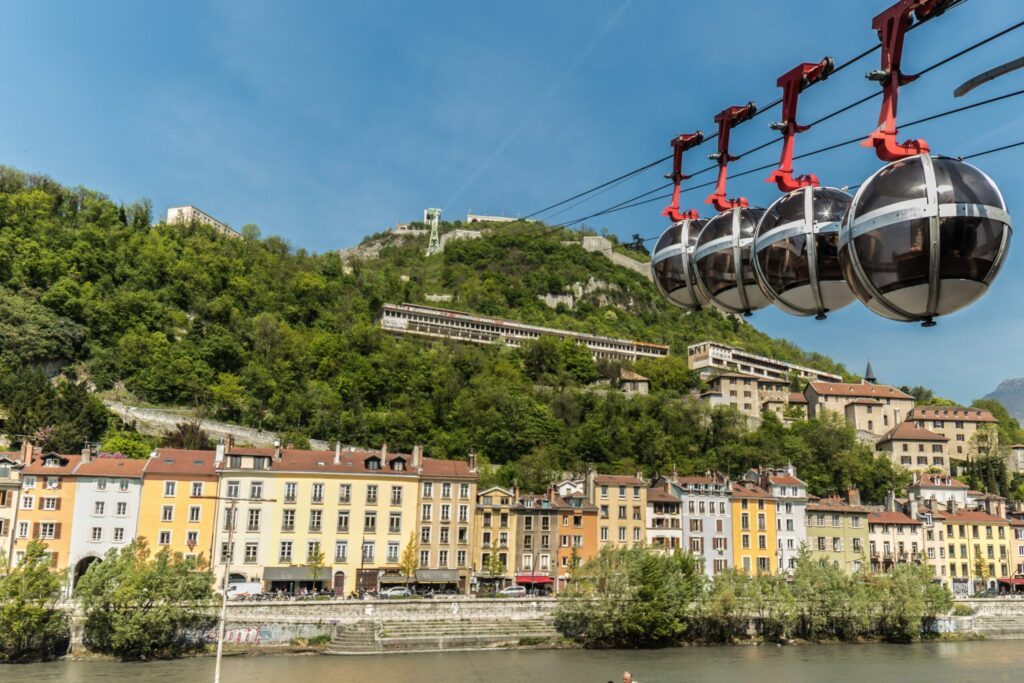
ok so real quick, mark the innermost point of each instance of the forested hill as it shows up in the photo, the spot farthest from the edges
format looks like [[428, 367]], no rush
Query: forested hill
[[255, 331]]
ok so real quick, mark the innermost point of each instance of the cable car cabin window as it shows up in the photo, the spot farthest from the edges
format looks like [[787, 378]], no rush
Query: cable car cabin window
[[669, 237], [789, 209], [969, 246], [785, 263], [669, 274], [717, 271], [896, 255], [959, 182], [898, 182], [828, 256]]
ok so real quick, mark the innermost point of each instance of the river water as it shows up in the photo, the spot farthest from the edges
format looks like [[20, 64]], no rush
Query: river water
[[925, 662]]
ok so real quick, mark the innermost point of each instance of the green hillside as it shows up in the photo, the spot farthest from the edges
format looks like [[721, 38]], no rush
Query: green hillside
[[257, 332]]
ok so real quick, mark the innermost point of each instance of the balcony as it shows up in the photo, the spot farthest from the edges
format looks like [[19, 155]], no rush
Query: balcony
[[284, 559]]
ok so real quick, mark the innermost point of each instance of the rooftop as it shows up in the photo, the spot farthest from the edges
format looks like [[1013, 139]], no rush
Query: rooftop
[[857, 390], [907, 431], [942, 481], [181, 461], [973, 516], [958, 413], [105, 466], [619, 480], [886, 517]]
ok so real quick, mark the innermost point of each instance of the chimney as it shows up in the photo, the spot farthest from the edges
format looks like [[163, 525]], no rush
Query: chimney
[[87, 454], [589, 485], [515, 492], [337, 452], [472, 462], [640, 475], [552, 493], [853, 496], [951, 505], [791, 469], [913, 508], [674, 477], [890, 501], [417, 456], [277, 451], [218, 457], [230, 444], [383, 452], [27, 451]]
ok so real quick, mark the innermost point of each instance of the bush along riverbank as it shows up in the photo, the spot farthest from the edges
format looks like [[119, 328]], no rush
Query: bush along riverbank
[[638, 598]]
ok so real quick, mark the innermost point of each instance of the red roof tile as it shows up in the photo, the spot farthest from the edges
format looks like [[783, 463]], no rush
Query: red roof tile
[[797, 397], [70, 462], [180, 461], [784, 480], [861, 390], [660, 496], [619, 480], [950, 413], [747, 490], [886, 517], [973, 516], [943, 481], [907, 431], [112, 467]]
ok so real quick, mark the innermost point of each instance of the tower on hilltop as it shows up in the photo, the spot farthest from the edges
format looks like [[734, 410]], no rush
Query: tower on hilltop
[[432, 217]]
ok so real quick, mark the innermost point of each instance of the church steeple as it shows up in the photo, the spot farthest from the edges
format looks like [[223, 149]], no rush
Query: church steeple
[[869, 374]]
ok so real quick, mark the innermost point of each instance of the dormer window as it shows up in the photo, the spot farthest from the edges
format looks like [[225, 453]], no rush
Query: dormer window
[[51, 462], [373, 463], [398, 464]]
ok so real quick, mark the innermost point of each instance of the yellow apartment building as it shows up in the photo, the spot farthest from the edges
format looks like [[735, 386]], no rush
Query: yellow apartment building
[[978, 546], [281, 508], [46, 505], [445, 519], [621, 502], [495, 533], [179, 502], [754, 529]]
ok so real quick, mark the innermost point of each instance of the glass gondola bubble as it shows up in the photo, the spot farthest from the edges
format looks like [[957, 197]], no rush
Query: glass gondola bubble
[[672, 265], [722, 263], [796, 251], [925, 236]]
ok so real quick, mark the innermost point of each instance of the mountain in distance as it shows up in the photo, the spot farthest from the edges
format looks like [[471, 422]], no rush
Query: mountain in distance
[[1010, 393]]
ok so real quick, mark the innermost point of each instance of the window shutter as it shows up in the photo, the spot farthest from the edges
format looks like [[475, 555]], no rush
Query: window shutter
[[35, 530], [56, 502], [56, 530]]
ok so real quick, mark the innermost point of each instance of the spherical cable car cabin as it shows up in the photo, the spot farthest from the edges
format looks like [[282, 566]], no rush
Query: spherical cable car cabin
[[722, 261], [672, 266]]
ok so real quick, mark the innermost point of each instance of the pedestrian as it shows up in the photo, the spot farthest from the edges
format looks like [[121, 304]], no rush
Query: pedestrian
[[627, 677]]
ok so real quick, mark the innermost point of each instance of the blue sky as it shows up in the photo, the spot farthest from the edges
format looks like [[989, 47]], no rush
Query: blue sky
[[325, 121]]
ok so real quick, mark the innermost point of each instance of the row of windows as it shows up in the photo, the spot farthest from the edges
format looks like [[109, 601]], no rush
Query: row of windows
[[622, 534], [835, 544], [833, 520], [287, 555], [990, 551], [316, 492], [444, 535], [622, 491]]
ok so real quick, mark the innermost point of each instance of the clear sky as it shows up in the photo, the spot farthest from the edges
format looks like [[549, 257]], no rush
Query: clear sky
[[325, 121]]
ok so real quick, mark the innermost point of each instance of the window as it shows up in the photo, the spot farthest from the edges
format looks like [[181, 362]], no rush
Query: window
[[232, 489], [445, 535], [170, 488], [446, 490], [164, 538], [197, 489], [442, 558], [460, 558], [288, 519], [96, 534], [312, 550], [317, 493], [370, 521], [446, 512], [463, 490], [393, 549], [52, 482], [290, 489], [315, 520], [22, 529], [28, 481], [118, 534], [341, 551], [395, 522], [28, 503], [463, 513], [253, 520], [622, 533], [167, 513], [371, 494], [191, 538], [345, 493], [424, 558], [52, 504], [426, 512], [256, 490], [396, 495], [251, 551], [101, 484], [194, 511], [428, 489], [285, 553]]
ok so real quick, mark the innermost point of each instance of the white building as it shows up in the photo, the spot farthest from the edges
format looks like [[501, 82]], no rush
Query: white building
[[707, 356], [187, 214], [706, 510], [106, 509], [439, 323], [791, 514], [481, 218], [940, 488]]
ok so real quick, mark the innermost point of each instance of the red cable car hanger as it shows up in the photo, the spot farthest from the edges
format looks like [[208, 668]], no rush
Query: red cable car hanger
[[726, 119], [892, 25], [681, 143], [793, 83]]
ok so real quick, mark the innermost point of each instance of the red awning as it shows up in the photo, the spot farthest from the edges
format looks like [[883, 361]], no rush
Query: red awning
[[1012, 582], [533, 578]]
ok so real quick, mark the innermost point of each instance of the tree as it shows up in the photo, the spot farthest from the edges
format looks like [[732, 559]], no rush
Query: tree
[[31, 628], [140, 606], [495, 567], [410, 559], [130, 444], [188, 435], [315, 565]]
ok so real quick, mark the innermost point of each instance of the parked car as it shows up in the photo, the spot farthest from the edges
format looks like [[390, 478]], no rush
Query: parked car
[[512, 592], [396, 592], [239, 591]]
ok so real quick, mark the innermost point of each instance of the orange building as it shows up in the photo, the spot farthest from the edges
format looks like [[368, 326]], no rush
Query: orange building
[[754, 529], [179, 502], [47, 504], [577, 535]]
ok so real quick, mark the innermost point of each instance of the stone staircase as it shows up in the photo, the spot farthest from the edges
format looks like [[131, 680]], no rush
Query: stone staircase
[[999, 627], [433, 635]]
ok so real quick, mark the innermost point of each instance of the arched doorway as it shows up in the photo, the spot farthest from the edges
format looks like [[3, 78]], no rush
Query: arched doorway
[[339, 584], [83, 566]]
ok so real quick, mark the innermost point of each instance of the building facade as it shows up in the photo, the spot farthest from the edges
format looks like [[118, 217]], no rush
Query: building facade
[[914, 448], [875, 419], [190, 214], [956, 423], [893, 538], [10, 488], [577, 536], [495, 548], [621, 502], [706, 508], [837, 532], [537, 519], [446, 515], [46, 505], [791, 517], [664, 518], [178, 507], [754, 522], [708, 356], [978, 549]]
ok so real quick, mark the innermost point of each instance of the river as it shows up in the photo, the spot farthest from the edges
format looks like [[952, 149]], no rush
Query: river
[[989, 661]]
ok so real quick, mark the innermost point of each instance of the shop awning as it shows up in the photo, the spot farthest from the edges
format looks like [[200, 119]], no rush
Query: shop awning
[[437, 576], [289, 574], [395, 580], [533, 578], [1012, 582]]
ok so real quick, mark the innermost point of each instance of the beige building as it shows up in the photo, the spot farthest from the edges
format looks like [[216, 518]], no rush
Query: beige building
[[190, 214], [1015, 458], [737, 390], [495, 535], [632, 383], [837, 531], [621, 503], [708, 357], [933, 537], [445, 519], [915, 448], [956, 423], [891, 409], [893, 538], [774, 396]]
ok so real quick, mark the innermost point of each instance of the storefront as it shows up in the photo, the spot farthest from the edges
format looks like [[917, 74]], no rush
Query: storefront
[[293, 580], [536, 584]]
